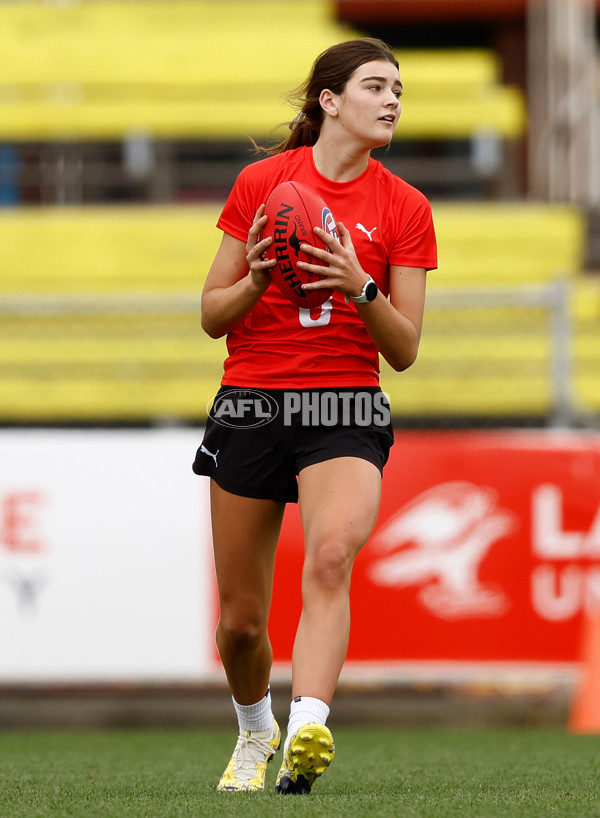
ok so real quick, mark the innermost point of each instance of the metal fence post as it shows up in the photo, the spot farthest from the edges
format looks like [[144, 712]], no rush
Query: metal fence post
[[561, 355]]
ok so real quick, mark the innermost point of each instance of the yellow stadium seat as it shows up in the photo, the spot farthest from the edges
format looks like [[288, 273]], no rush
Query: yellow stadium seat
[[94, 366], [481, 362], [586, 343], [105, 314], [204, 70], [473, 364], [502, 244], [98, 249], [137, 249]]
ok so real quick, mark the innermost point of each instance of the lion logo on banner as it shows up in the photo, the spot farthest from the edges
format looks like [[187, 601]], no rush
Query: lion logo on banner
[[438, 541]]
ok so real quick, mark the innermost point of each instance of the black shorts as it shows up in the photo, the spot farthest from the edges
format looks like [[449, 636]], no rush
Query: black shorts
[[257, 441]]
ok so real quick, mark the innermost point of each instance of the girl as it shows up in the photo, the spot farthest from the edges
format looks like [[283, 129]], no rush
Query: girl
[[301, 363]]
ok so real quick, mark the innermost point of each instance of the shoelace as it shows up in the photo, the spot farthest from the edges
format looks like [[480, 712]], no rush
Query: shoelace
[[257, 748]]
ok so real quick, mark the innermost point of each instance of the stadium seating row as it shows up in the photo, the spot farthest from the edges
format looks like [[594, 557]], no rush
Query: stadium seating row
[[89, 366], [116, 249], [482, 362], [201, 69], [100, 315], [112, 249]]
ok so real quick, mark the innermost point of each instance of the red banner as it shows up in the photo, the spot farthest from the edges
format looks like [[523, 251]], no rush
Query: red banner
[[487, 547]]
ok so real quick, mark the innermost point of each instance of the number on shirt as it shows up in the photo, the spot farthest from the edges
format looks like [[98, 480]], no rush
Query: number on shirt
[[321, 320]]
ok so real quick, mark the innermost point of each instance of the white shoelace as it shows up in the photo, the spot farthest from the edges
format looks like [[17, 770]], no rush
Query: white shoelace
[[250, 751]]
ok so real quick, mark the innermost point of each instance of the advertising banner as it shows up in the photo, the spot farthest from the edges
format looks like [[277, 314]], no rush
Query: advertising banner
[[487, 547], [105, 571]]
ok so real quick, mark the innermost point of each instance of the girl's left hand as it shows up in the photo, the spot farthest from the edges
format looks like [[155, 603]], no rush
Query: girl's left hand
[[340, 269]]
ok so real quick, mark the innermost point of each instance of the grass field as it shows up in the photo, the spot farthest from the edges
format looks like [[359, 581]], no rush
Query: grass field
[[375, 773]]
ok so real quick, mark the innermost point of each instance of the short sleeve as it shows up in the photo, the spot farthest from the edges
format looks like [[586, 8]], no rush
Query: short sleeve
[[415, 244], [242, 203]]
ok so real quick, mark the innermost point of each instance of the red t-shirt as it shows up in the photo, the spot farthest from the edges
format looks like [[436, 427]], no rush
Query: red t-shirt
[[279, 345]]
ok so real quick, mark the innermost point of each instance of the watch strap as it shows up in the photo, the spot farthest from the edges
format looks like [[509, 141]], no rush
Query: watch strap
[[362, 298]]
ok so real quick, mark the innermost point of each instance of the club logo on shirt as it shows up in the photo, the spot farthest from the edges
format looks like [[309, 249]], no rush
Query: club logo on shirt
[[328, 223]]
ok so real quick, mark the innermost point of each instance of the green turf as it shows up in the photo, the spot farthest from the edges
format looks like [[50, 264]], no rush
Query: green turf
[[421, 773]]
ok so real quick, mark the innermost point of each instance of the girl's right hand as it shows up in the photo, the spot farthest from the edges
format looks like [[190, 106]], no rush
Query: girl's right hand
[[256, 248]]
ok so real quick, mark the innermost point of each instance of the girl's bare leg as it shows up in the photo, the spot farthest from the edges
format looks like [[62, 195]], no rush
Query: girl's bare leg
[[339, 502], [245, 534]]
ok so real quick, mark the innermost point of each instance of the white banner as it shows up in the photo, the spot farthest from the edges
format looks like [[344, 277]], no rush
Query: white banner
[[105, 562]]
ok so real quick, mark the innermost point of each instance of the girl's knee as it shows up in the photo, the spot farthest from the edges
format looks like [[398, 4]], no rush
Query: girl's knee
[[330, 566], [241, 629]]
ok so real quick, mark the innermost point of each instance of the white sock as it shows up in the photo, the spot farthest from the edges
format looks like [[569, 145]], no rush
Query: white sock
[[255, 717], [305, 710]]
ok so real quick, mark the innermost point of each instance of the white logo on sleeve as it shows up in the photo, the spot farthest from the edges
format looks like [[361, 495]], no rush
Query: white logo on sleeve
[[369, 233]]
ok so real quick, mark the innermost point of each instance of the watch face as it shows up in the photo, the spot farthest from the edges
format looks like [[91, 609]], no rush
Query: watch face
[[371, 291]]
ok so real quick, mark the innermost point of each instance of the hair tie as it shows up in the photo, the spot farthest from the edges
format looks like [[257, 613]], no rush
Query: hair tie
[[297, 121]]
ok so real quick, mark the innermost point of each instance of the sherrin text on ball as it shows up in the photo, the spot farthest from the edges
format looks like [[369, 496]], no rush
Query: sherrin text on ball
[[293, 210]]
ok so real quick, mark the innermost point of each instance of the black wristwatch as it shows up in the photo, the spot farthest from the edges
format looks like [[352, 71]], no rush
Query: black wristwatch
[[368, 294]]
